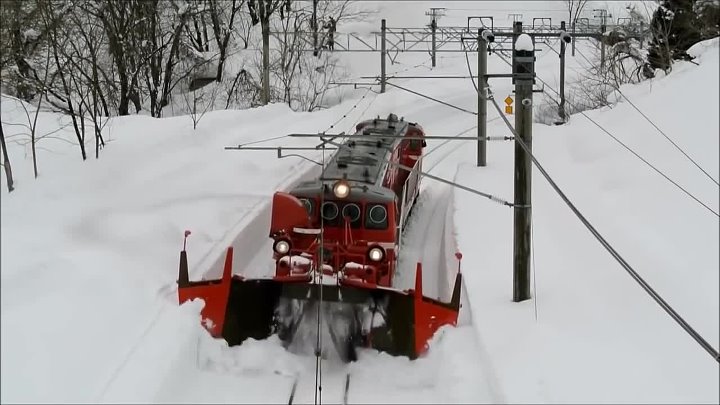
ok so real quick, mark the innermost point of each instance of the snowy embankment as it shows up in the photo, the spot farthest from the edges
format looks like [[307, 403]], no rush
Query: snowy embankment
[[598, 336], [89, 311], [90, 249], [90, 253]]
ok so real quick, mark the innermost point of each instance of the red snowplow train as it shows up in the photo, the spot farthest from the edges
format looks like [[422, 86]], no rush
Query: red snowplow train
[[336, 243]]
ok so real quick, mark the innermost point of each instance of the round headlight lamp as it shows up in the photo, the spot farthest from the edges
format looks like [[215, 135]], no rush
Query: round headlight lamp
[[281, 246], [341, 188], [376, 254]]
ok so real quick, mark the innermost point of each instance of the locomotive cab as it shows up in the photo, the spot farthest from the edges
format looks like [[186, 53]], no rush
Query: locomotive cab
[[353, 215]]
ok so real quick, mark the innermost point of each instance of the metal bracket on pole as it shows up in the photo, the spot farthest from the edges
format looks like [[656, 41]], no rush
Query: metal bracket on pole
[[482, 22]]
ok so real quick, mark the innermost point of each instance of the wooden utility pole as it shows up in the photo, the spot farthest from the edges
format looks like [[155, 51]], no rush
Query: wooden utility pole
[[482, 100], [383, 53], [523, 78]]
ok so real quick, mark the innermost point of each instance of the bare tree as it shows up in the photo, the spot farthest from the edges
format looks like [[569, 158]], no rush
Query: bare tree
[[574, 8], [222, 27], [20, 36], [199, 102], [58, 41], [32, 121], [303, 79], [261, 11], [6, 160], [119, 20]]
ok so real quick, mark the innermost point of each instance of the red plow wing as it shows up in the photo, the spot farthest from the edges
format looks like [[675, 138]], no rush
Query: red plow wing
[[397, 322]]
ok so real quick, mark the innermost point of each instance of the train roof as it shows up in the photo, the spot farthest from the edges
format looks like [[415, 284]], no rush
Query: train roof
[[363, 159], [370, 193]]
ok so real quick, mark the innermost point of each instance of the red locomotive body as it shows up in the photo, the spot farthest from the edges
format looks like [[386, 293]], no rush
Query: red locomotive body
[[336, 241], [359, 204]]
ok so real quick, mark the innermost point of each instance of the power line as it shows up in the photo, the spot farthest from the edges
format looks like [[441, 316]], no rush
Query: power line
[[433, 99], [654, 295], [656, 127], [673, 182], [430, 176], [263, 140], [349, 111]]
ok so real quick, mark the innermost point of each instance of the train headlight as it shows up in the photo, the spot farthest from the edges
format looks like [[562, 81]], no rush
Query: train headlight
[[281, 246], [376, 254], [341, 189]]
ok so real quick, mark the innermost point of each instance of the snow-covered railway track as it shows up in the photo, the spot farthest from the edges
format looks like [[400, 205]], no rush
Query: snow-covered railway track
[[332, 391]]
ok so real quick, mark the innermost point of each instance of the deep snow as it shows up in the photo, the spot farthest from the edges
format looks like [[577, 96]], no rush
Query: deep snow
[[90, 250]]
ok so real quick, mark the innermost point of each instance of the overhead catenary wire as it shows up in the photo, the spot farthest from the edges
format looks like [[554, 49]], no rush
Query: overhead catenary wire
[[354, 106], [432, 98], [320, 265], [629, 149], [369, 89], [350, 110], [436, 178], [653, 294], [635, 107]]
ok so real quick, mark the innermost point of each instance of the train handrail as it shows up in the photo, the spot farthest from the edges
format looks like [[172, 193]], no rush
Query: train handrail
[[415, 173]]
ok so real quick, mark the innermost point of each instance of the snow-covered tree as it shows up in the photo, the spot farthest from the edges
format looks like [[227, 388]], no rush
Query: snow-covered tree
[[677, 25]]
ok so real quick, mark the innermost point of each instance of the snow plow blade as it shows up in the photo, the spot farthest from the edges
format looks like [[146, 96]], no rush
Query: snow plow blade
[[397, 322]]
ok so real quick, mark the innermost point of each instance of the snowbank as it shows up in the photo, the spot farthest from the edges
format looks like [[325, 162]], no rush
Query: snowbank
[[597, 336]]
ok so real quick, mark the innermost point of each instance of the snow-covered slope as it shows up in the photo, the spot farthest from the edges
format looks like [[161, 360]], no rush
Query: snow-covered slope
[[89, 252], [598, 337]]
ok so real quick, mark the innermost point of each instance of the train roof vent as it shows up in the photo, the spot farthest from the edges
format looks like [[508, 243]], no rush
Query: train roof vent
[[379, 131], [344, 161]]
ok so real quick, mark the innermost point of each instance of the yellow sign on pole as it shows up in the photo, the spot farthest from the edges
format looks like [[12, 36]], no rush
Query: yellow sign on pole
[[508, 109], [508, 100]]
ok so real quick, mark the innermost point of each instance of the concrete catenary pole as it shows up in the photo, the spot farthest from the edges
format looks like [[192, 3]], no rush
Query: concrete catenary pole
[[433, 28], [563, 41], [383, 51], [524, 69], [482, 100]]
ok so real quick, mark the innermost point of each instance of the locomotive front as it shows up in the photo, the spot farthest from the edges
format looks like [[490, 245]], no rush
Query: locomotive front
[[335, 246], [351, 231]]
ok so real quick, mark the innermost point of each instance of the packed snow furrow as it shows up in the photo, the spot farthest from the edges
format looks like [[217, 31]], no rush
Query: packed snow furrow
[[423, 241], [248, 235]]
